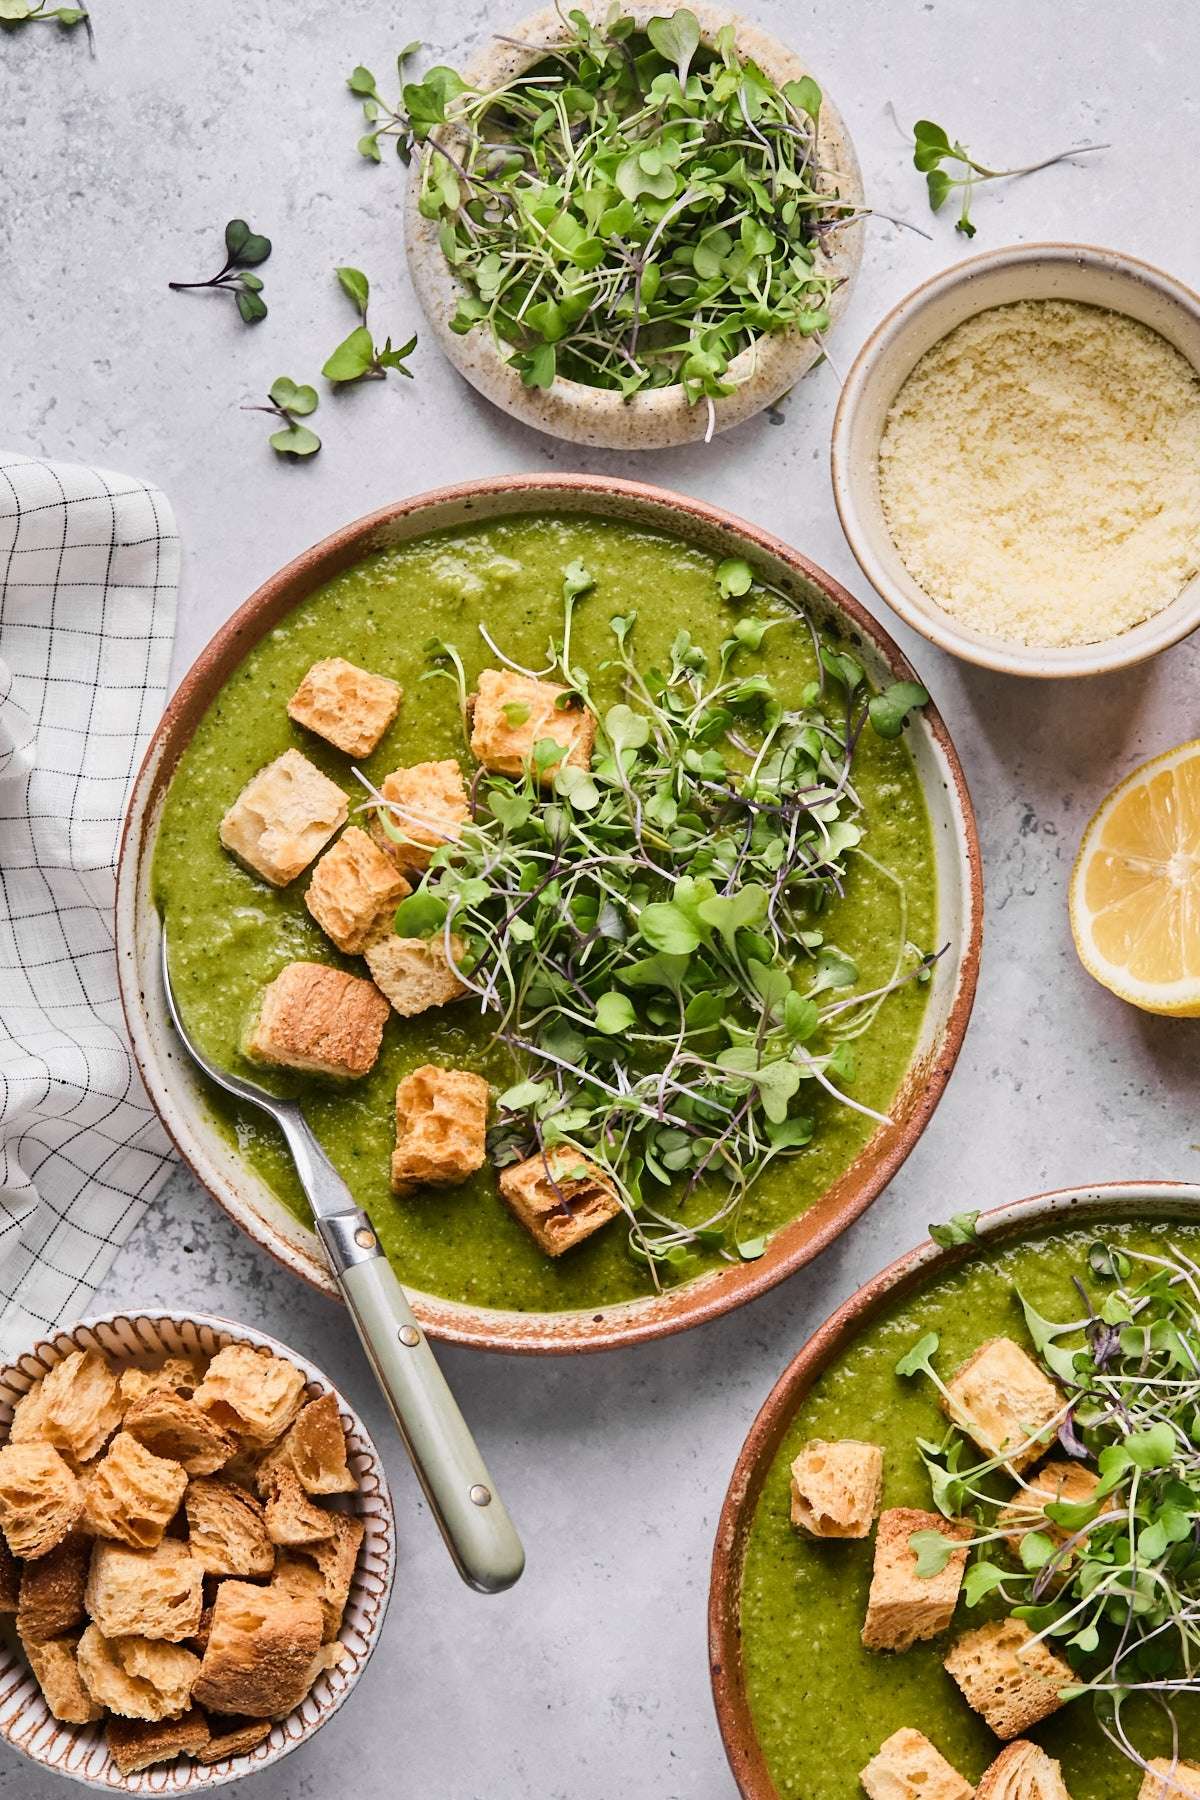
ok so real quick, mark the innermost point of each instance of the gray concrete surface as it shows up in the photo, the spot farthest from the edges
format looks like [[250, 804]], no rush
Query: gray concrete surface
[[589, 1680]]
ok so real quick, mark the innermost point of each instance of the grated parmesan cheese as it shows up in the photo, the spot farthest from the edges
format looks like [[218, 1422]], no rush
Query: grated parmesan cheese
[[1040, 472]]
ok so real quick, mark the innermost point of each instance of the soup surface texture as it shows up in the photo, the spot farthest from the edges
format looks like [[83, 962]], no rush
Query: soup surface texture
[[823, 1704], [230, 933]]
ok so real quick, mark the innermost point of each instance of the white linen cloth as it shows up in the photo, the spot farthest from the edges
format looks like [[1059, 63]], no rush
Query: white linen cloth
[[89, 567]]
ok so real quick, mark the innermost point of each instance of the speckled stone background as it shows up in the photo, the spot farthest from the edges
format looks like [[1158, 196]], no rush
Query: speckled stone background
[[589, 1680]]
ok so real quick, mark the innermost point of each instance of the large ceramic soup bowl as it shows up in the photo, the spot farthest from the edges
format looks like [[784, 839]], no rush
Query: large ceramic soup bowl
[[449, 566], [786, 1608]]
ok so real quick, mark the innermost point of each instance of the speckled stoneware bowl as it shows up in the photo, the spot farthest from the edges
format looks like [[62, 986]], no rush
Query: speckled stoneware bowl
[[172, 1081], [1066, 1208], [79, 1751], [598, 416], [1079, 272]]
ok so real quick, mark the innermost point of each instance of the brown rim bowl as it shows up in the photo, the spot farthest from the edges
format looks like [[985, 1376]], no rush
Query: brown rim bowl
[[1128, 1200], [174, 1087]]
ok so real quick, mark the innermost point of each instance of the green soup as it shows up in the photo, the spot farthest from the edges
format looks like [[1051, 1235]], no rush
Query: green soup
[[231, 933], [822, 1704]]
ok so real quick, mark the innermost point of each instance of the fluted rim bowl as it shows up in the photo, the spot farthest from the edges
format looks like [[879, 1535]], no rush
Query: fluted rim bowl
[[79, 1752], [173, 1084], [599, 416], [1064, 1208], [1080, 272]]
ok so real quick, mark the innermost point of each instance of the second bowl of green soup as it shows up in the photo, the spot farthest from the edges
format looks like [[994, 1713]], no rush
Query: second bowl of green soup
[[598, 875]]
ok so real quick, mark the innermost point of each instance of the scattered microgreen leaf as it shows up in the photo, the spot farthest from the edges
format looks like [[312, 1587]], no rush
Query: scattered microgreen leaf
[[290, 401], [358, 357], [244, 251], [933, 149], [959, 1229]]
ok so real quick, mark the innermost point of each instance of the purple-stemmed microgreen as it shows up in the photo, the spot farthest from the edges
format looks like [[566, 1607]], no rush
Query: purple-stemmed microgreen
[[244, 251]]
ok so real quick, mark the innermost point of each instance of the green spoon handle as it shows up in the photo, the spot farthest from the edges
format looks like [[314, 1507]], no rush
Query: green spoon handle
[[472, 1518]]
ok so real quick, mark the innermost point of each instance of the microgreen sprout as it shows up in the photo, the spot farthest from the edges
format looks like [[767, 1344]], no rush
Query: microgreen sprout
[[1108, 1573], [384, 120], [244, 251], [649, 935], [290, 402], [633, 211], [958, 1230], [358, 357], [933, 149], [37, 12]]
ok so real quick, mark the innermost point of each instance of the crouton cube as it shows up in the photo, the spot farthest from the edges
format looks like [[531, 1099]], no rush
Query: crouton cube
[[1023, 1771], [136, 1744], [1007, 1678], [429, 807], [174, 1427], [902, 1606], [354, 891], [1169, 1780], [40, 1499], [51, 1594], [1002, 1400], [235, 1742], [177, 1373], [320, 1020], [80, 1405], [347, 706], [28, 1423], [415, 974], [140, 1678], [56, 1672], [1053, 1482], [836, 1488], [316, 1449], [335, 1559], [132, 1495], [512, 713], [291, 1517], [441, 1125], [227, 1533], [260, 1650], [251, 1394], [155, 1593], [283, 817], [559, 1198], [908, 1767]]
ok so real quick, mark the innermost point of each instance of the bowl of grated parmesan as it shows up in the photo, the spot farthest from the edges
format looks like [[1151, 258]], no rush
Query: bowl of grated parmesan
[[1016, 460]]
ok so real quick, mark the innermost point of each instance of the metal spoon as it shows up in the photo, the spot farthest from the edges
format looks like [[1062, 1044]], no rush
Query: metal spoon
[[471, 1516]]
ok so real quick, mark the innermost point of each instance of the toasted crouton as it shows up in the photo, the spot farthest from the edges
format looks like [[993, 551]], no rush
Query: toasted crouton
[[10, 1579], [559, 1198], [297, 1575], [226, 1529], [260, 1650], [40, 1499], [903, 1607], [136, 1744], [1053, 1482], [1023, 1771], [441, 1128], [414, 972], [908, 1767], [283, 817], [347, 706], [56, 1671], [1001, 1398], [318, 1019], [174, 1427], [836, 1488], [513, 713], [316, 1448], [1169, 1780], [132, 1495], [336, 1558], [156, 1593], [251, 1394], [28, 1423], [235, 1742], [354, 892], [140, 1678], [80, 1405], [291, 1518], [1011, 1681], [428, 807], [51, 1597], [178, 1373]]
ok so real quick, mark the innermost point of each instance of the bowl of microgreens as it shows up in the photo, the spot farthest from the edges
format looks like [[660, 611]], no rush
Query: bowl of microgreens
[[630, 229], [1027, 1386]]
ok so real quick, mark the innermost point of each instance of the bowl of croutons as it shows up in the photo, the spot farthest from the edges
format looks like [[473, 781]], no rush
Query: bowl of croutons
[[196, 1552]]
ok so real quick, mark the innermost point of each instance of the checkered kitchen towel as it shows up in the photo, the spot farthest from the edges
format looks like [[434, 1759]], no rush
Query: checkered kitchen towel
[[89, 565]]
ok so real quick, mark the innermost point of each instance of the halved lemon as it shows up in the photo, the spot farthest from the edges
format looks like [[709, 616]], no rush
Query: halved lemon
[[1135, 888]]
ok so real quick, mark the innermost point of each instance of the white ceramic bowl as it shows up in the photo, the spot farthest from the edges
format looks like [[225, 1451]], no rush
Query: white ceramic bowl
[[1077, 272], [79, 1751], [599, 416]]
